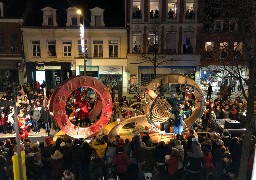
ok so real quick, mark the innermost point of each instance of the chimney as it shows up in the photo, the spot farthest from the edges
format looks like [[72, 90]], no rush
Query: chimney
[[1, 9]]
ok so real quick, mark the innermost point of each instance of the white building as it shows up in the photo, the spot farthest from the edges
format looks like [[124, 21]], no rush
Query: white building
[[54, 53]]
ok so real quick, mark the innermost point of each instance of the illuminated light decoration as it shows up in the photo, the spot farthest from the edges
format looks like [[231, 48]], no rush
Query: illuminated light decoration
[[82, 37], [157, 108], [58, 106]]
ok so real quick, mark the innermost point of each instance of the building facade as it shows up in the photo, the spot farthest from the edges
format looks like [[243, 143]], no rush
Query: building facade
[[11, 57], [220, 43], [55, 53], [162, 36]]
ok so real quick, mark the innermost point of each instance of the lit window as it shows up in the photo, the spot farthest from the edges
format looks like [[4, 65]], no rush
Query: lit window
[[152, 43], [113, 48], [189, 13], [154, 9], [238, 47], [136, 9], [98, 48], [223, 50], [36, 48], [67, 48], [136, 42], [52, 48], [172, 9], [209, 46]]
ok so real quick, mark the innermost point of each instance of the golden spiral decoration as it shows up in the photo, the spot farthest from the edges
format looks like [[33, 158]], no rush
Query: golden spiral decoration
[[161, 110]]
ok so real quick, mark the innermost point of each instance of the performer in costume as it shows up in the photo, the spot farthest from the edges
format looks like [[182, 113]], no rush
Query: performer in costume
[[23, 128], [178, 121], [84, 108]]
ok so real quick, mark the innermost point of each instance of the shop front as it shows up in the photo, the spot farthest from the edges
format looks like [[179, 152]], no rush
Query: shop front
[[146, 73], [111, 76], [53, 73], [92, 71], [218, 75]]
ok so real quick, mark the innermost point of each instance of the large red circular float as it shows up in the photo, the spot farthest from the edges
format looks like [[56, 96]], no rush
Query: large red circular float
[[59, 99]]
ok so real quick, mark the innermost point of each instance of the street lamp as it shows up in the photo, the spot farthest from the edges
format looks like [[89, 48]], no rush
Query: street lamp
[[82, 30]]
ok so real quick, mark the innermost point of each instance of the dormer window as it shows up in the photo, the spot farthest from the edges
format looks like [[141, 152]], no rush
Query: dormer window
[[74, 21], [97, 18], [49, 17], [50, 20], [73, 18]]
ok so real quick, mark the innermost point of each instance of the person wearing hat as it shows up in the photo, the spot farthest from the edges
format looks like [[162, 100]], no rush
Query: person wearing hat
[[180, 147], [68, 175], [195, 158], [57, 165]]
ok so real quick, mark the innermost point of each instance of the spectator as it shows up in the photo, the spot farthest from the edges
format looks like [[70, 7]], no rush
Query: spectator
[[218, 159], [195, 160], [95, 171], [208, 166], [68, 175], [173, 163], [121, 162], [57, 165]]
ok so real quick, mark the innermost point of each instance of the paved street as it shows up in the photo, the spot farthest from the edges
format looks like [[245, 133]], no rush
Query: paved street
[[33, 137]]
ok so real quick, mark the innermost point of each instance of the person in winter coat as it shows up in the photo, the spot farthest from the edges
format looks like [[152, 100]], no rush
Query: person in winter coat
[[95, 171], [100, 146], [218, 156], [207, 163], [173, 163], [150, 160], [57, 165], [121, 162], [36, 114], [160, 151], [195, 158], [3, 167]]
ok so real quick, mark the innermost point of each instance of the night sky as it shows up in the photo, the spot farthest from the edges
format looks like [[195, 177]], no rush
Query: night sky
[[30, 10]]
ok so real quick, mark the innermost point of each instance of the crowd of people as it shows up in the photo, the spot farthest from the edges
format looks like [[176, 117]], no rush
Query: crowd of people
[[31, 103], [187, 156]]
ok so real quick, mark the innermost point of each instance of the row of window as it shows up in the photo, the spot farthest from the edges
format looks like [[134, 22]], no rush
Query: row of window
[[67, 48], [224, 49], [170, 42], [154, 8]]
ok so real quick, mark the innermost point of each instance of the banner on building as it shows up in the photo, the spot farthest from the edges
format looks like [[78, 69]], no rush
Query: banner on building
[[110, 70]]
